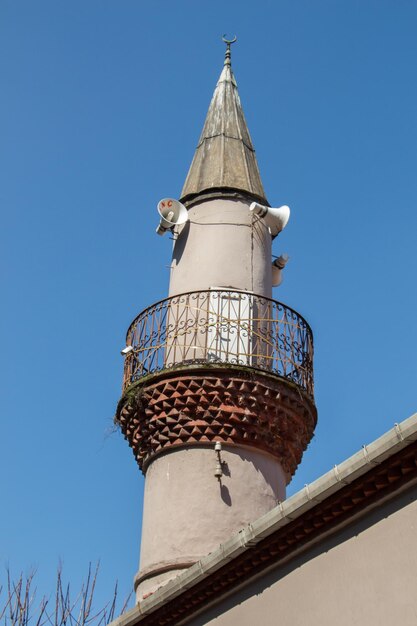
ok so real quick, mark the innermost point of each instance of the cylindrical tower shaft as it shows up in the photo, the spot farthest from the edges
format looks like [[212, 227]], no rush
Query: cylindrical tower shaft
[[222, 245], [217, 403]]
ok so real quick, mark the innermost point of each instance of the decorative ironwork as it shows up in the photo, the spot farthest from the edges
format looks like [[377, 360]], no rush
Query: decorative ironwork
[[221, 326]]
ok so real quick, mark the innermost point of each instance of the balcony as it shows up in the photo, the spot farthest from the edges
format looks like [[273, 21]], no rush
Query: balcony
[[221, 328]]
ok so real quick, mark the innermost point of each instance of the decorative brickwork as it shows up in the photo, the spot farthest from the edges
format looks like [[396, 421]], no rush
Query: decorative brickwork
[[237, 408]]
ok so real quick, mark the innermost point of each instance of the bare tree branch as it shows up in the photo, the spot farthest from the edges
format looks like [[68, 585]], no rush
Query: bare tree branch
[[19, 606]]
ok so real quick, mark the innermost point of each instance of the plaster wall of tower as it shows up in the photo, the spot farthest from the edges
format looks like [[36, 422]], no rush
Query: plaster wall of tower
[[222, 245], [188, 512]]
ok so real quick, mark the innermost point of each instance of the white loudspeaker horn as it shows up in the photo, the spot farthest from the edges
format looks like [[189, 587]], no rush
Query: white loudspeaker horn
[[275, 219], [277, 267], [172, 213]]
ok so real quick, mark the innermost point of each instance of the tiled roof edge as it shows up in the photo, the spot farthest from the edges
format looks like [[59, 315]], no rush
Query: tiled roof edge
[[369, 457]]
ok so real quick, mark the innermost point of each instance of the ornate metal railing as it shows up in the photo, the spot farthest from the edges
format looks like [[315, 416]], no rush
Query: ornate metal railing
[[224, 327]]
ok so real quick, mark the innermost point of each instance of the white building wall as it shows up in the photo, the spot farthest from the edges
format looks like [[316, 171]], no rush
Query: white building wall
[[366, 574]]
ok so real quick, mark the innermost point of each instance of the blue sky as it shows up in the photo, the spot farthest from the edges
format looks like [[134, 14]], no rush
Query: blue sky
[[102, 106]]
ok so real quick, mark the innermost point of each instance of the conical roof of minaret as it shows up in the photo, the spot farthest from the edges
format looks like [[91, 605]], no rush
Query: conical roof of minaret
[[225, 158]]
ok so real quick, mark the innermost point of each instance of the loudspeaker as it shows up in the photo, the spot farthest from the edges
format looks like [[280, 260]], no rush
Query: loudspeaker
[[172, 213], [275, 219], [277, 267]]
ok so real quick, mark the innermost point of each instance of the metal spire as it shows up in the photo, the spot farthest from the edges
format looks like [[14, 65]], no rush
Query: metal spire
[[224, 160]]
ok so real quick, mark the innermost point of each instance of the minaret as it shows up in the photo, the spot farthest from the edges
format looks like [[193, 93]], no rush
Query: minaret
[[217, 401]]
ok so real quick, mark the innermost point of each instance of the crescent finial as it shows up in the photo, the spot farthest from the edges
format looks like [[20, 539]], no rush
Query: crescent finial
[[228, 43]]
